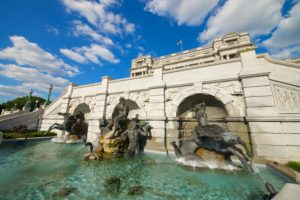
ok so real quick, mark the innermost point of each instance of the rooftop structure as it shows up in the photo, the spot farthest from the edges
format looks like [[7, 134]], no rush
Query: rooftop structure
[[225, 48]]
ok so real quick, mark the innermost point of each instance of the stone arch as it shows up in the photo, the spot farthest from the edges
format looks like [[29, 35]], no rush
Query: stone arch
[[217, 107], [133, 107], [83, 107], [219, 94], [214, 108]]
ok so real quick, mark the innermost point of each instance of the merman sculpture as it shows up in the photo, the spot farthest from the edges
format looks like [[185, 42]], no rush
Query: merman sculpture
[[212, 138], [122, 136], [120, 122]]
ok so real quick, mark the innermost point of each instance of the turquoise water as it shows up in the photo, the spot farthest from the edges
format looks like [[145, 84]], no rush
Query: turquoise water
[[41, 170]]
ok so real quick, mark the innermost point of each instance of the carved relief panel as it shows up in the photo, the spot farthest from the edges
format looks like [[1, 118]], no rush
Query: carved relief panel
[[287, 98]]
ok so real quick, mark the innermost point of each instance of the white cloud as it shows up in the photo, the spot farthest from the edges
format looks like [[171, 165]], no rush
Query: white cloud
[[190, 12], [128, 46], [130, 28], [84, 30], [93, 53], [30, 78], [13, 91], [285, 41], [284, 53], [53, 30], [256, 17], [73, 55], [99, 14], [24, 52]]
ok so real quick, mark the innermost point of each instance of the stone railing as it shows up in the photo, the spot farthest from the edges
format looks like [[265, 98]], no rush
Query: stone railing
[[12, 114], [31, 120]]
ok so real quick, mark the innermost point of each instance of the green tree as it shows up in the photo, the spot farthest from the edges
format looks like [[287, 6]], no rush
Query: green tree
[[21, 101]]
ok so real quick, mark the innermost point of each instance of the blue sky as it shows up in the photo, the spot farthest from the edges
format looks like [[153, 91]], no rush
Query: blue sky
[[79, 41]]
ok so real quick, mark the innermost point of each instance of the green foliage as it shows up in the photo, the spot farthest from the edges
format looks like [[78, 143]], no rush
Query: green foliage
[[20, 128], [29, 134], [294, 165], [21, 101]]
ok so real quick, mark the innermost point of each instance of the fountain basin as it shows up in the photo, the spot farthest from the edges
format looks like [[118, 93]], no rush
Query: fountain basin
[[44, 170]]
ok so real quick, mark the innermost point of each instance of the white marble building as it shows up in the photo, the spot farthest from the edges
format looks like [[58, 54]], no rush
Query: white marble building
[[253, 96]]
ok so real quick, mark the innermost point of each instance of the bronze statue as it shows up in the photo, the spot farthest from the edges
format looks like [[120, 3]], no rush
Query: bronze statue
[[201, 116], [74, 124], [120, 122], [213, 138]]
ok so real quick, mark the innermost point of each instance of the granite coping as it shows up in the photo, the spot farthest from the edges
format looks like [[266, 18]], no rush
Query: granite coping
[[287, 171], [288, 192]]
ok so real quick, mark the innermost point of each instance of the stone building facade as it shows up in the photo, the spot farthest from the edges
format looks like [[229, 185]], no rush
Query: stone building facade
[[253, 96]]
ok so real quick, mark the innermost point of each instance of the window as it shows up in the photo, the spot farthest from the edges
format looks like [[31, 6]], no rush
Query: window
[[232, 41], [232, 56], [139, 63]]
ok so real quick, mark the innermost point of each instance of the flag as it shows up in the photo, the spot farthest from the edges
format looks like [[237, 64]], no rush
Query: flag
[[179, 42]]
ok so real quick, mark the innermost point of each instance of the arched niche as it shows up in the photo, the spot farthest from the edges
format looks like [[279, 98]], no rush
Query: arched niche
[[214, 108], [133, 109], [83, 107], [215, 111]]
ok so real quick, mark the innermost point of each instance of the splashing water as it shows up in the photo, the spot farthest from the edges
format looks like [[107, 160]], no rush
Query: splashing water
[[211, 164]]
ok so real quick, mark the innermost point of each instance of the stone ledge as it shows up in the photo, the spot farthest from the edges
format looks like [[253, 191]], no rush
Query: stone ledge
[[288, 192], [293, 174], [273, 119]]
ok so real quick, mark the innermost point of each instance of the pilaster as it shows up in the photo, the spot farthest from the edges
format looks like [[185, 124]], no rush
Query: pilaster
[[100, 110]]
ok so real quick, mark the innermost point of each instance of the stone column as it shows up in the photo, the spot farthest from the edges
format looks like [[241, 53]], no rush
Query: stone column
[[156, 113], [66, 98], [64, 108], [258, 98], [100, 111]]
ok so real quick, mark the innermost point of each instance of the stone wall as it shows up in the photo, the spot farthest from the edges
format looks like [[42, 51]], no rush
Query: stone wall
[[260, 103], [31, 120], [272, 98]]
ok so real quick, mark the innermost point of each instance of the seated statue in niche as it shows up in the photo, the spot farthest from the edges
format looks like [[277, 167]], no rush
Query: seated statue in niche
[[120, 121], [201, 116], [127, 137]]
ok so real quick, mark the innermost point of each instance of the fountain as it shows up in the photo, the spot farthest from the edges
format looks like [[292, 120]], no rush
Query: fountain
[[212, 144], [209, 145], [1, 137], [120, 137]]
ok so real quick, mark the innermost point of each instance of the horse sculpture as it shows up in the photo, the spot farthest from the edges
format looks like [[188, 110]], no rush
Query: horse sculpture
[[216, 139], [73, 124]]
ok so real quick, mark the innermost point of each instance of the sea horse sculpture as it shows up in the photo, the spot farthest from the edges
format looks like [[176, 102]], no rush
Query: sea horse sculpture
[[214, 138], [74, 124]]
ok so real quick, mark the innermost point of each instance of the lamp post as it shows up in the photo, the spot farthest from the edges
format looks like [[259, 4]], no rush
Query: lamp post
[[49, 94], [36, 104], [27, 104]]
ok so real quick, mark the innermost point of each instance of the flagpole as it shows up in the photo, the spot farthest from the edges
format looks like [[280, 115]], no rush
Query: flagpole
[[181, 45]]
